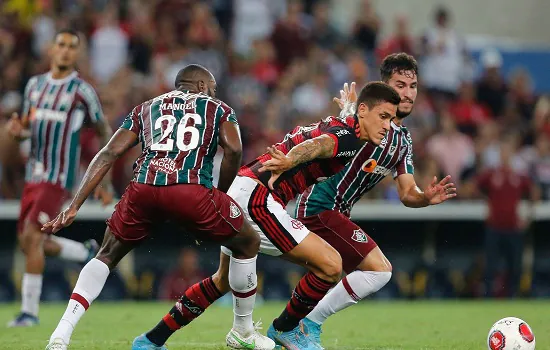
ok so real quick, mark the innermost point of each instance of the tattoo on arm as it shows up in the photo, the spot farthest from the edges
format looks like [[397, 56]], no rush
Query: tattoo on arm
[[319, 147]]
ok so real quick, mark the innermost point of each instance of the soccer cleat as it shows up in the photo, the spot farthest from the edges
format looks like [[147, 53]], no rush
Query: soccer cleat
[[255, 341], [295, 339], [24, 320], [57, 344], [92, 247], [312, 330], [143, 343]]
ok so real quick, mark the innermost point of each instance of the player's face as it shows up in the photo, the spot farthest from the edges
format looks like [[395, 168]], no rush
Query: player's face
[[65, 51], [374, 123], [406, 84]]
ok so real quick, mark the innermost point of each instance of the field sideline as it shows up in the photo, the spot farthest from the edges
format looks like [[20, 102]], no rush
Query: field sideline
[[424, 325]]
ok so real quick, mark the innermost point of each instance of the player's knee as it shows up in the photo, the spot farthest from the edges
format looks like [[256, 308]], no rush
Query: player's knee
[[332, 267]]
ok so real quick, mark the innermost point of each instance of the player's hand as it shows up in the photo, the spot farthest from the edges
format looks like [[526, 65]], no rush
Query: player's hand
[[16, 129], [104, 193], [348, 96], [278, 163], [439, 192], [64, 219]]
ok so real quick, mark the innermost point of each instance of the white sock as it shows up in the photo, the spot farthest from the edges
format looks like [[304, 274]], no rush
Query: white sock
[[30, 293], [71, 250], [352, 288], [243, 281], [90, 283]]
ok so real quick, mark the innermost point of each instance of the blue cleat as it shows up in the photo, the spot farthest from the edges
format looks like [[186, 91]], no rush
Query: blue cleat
[[92, 247], [295, 339], [24, 320], [312, 330], [143, 343]]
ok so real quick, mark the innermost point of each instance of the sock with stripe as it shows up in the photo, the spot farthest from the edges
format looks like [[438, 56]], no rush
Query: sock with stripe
[[243, 281], [190, 306], [352, 288], [309, 291], [90, 282]]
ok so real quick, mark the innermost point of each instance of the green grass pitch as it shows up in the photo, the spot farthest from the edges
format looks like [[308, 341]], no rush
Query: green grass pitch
[[423, 325]]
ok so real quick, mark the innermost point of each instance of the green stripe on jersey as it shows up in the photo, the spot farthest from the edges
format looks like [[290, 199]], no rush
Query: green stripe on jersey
[[74, 150], [55, 143]]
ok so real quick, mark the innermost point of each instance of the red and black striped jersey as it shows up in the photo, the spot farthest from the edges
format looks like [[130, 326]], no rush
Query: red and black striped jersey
[[179, 134], [296, 180]]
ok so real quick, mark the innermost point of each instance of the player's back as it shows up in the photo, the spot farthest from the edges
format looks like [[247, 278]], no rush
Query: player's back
[[56, 110], [179, 134], [298, 179]]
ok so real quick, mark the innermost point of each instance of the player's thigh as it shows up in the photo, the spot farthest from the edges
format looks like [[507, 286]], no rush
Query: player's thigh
[[353, 244], [40, 203], [134, 214], [279, 232]]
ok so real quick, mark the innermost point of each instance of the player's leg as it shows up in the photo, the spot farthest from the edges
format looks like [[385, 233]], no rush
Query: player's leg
[[127, 227], [70, 250], [367, 268], [221, 219], [492, 258]]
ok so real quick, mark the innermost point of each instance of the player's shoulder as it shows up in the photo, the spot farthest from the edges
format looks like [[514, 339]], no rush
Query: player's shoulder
[[219, 103], [36, 79], [406, 133], [346, 122], [84, 86]]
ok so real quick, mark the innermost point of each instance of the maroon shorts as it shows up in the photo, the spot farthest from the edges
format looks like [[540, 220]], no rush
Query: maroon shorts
[[209, 213], [40, 203], [340, 232]]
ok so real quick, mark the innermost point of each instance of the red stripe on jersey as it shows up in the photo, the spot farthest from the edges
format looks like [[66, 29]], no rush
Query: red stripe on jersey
[[210, 118], [49, 129]]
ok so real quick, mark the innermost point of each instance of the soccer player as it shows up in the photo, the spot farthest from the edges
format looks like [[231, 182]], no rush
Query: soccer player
[[313, 152], [55, 106], [179, 133], [325, 207]]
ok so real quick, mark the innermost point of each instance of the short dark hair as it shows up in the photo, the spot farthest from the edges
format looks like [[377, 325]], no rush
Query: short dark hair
[[67, 31], [377, 92], [191, 73], [397, 63]]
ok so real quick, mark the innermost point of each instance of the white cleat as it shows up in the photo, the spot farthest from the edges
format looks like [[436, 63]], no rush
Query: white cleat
[[255, 341], [57, 344]]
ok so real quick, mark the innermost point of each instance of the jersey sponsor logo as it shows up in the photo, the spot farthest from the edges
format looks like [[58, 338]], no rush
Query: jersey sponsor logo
[[48, 114], [342, 132], [360, 236], [346, 154], [369, 165], [234, 211], [297, 225], [497, 341], [166, 165]]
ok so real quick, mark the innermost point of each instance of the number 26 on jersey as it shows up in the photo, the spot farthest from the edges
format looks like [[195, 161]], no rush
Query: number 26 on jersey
[[166, 142]]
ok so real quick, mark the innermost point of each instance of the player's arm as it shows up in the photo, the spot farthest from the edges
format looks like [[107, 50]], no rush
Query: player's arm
[[410, 194], [121, 141], [18, 127], [230, 141]]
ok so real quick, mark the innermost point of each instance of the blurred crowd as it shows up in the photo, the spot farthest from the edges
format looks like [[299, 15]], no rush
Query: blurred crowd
[[278, 64]]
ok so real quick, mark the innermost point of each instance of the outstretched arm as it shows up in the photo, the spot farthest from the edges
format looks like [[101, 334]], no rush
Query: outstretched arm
[[230, 141], [411, 196], [121, 141]]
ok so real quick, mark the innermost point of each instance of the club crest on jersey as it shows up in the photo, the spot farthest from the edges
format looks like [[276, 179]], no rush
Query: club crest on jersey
[[166, 165], [369, 166], [297, 225], [392, 149], [234, 211], [359, 236]]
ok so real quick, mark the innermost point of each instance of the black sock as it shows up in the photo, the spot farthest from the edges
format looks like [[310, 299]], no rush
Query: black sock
[[160, 334]]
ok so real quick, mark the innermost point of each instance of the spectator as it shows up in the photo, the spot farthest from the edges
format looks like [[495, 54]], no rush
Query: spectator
[[399, 41], [443, 57], [467, 112], [183, 276], [366, 29], [322, 31], [451, 149], [504, 234], [290, 37], [491, 88]]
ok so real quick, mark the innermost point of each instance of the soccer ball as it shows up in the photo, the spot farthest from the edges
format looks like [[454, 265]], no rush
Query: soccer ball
[[511, 333]]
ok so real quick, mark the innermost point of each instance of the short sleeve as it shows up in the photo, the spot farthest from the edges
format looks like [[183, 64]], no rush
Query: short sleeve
[[347, 143], [27, 97], [131, 122], [228, 115], [91, 101], [405, 164]]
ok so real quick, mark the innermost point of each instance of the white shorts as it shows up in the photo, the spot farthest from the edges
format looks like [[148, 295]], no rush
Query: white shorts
[[279, 232]]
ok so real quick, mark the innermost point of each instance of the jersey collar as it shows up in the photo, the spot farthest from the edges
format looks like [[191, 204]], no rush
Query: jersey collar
[[68, 78]]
